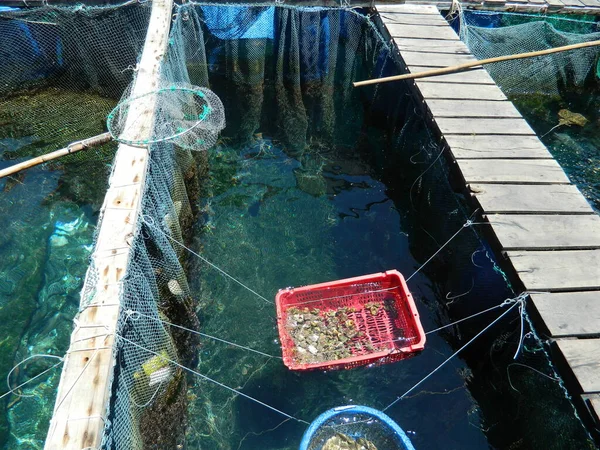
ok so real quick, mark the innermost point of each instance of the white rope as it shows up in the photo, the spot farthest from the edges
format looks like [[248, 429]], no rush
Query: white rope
[[150, 221], [204, 377], [131, 313], [12, 390], [467, 224], [515, 302]]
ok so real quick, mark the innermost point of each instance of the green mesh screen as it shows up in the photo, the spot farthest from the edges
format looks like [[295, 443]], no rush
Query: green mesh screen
[[496, 34]]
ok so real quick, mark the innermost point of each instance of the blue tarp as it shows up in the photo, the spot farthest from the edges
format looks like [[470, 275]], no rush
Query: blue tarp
[[233, 22]]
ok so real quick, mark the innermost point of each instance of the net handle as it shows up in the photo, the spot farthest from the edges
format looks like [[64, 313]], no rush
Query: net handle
[[475, 64], [74, 147]]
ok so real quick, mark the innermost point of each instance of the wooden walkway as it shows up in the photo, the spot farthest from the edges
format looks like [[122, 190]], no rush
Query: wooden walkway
[[523, 6], [543, 224]]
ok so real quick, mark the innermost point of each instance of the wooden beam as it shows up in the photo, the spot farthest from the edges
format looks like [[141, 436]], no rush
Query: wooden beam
[[473, 109], [564, 270], [546, 232], [493, 146], [568, 314], [84, 391], [583, 357], [530, 171], [530, 199], [484, 125]]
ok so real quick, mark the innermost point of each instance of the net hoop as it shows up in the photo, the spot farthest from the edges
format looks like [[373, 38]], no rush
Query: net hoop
[[171, 123], [354, 409]]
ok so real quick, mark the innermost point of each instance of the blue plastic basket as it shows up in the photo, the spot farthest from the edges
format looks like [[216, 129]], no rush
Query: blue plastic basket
[[357, 422]]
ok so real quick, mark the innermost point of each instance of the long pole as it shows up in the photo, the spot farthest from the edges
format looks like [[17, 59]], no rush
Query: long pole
[[74, 147], [469, 65]]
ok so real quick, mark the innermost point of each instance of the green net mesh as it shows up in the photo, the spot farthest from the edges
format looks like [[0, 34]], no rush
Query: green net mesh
[[189, 116], [496, 34]]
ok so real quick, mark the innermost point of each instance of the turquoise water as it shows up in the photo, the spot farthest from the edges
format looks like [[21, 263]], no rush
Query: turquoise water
[[275, 221], [47, 217]]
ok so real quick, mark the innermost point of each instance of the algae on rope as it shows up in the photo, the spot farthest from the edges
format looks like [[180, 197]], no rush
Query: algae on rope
[[568, 118]]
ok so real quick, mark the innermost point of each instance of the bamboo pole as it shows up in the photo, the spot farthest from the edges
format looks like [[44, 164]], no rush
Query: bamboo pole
[[74, 147], [472, 64]]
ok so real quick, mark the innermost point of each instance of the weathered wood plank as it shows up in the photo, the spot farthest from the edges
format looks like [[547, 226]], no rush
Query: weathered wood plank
[[473, 108], [432, 46], [79, 414], [531, 199], [416, 31], [414, 19], [526, 171], [489, 146], [593, 403], [477, 76], [583, 357], [459, 91], [546, 232], [508, 126], [557, 270], [436, 60], [569, 313], [407, 9]]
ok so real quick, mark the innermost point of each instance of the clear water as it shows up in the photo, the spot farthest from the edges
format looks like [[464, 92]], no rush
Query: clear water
[[275, 221], [47, 217]]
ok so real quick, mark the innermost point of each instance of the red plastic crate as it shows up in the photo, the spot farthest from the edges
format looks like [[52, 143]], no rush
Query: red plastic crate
[[386, 333]]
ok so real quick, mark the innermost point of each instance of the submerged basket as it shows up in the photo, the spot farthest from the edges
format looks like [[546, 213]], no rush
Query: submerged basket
[[356, 422], [368, 320]]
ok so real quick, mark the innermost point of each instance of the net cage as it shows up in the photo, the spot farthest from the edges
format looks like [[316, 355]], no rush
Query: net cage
[[492, 34], [248, 55], [361, 424], [343, 324]]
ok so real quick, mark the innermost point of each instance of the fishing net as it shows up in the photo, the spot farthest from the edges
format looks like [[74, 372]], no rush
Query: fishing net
[[496, 34], [282, 70], [189, 116]]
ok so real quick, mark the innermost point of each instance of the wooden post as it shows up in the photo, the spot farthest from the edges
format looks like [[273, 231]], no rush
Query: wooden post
[[84, 391]]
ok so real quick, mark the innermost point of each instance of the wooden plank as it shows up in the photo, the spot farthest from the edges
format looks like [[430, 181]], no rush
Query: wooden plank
[[472, 108], [477, 76], [591, 3], [530, 199], [509, 126], [546, 232], [436, 60], [557, 270], [407, 9], [459, 91], [571, 3], [569, 313], [583, 357], [488, 146], [84, 391], [415, 31], [526, 171], [432, 46], [593, 403], [414, 19]]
